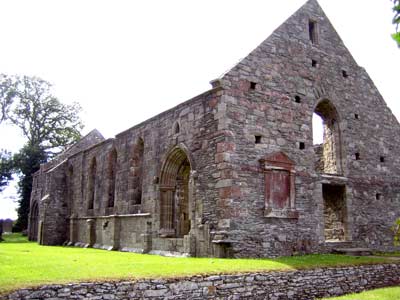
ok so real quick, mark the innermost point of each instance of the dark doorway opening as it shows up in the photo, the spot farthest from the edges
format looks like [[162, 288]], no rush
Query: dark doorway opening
[[335, 212]]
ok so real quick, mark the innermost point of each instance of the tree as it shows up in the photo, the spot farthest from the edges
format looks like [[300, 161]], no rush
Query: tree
[[27, 161], [48, 125], [28, 103], [6, 168], [396, 21]]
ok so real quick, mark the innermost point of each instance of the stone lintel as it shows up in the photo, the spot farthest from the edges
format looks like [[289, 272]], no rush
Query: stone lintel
[[281, 214]]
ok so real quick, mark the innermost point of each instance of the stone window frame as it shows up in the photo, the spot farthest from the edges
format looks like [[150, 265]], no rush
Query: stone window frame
[[112, 163], [332, 137], [313, 31], [176, 128], [136, 174], [279, 161], [70, 187]]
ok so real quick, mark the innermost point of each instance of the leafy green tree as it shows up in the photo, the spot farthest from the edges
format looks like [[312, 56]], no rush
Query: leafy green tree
[[6, 168], [396, 21], [27, 161], [48, 125], [27, 102]]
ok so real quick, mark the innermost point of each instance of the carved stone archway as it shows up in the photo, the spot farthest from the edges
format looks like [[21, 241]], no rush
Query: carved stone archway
[[175, 202], [33, 222]]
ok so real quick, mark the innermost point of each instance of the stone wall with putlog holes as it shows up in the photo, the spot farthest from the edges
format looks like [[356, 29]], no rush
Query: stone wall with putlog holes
[[308, 284], [271, 97]]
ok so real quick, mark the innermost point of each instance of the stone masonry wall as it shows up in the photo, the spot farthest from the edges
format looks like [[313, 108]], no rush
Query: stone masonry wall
[[41, 187], [133, 221], [304, 285], [272, 94], [112, 194]]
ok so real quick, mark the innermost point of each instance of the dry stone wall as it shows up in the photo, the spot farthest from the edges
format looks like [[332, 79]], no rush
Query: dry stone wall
[[304, 285]]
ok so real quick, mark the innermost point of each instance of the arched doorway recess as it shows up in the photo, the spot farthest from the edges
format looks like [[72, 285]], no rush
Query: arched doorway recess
[[175, 201], [34, 219]]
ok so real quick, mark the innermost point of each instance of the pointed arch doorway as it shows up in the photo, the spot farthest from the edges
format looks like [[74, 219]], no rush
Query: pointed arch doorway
[[175, 202], [33, 222]]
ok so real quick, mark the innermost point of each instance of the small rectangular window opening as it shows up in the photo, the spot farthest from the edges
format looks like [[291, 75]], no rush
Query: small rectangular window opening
[[302, 145], [297, 99], [356, 116], [344, 74], [253, 85], [312, 30], [257, 139], [382, 159], [357, 155], [314, 63], [378, 196]]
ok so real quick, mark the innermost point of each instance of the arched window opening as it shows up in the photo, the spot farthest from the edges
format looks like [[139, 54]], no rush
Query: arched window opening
[[326, 139], [313, 31], [138, 172], [177, 128], [112, 164], [92, 183], [70, 187], [174, 195]]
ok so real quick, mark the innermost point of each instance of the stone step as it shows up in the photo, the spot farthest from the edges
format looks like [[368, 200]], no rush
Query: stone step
[[339, 244], [353, 251]]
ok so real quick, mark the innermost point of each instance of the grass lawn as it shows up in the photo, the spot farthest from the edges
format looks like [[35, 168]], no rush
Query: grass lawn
[[389, 254], [392, 293], [24, 264]]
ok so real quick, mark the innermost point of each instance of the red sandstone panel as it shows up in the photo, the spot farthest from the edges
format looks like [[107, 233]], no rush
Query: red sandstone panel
[[277, 189]]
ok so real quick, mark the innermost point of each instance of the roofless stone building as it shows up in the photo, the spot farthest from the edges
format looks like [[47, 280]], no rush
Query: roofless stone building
[[234, 171]]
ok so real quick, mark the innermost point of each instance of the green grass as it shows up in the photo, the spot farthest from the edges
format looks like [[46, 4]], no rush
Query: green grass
[[24, 264], [14, 238], [392, 293], [388, 254]]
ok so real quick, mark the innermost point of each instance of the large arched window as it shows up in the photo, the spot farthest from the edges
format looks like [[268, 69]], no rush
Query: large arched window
[[112, 164], [92, 183], [327, 138]]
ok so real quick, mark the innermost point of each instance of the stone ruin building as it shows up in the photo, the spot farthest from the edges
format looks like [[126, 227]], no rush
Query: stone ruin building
[[6, 225], [234, 171]]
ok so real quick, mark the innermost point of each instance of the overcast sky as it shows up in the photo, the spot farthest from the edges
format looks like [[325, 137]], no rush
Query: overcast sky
[[125, 61]]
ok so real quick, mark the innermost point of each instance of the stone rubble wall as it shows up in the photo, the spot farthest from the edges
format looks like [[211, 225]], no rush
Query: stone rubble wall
[[272, 94], [308, 284]]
